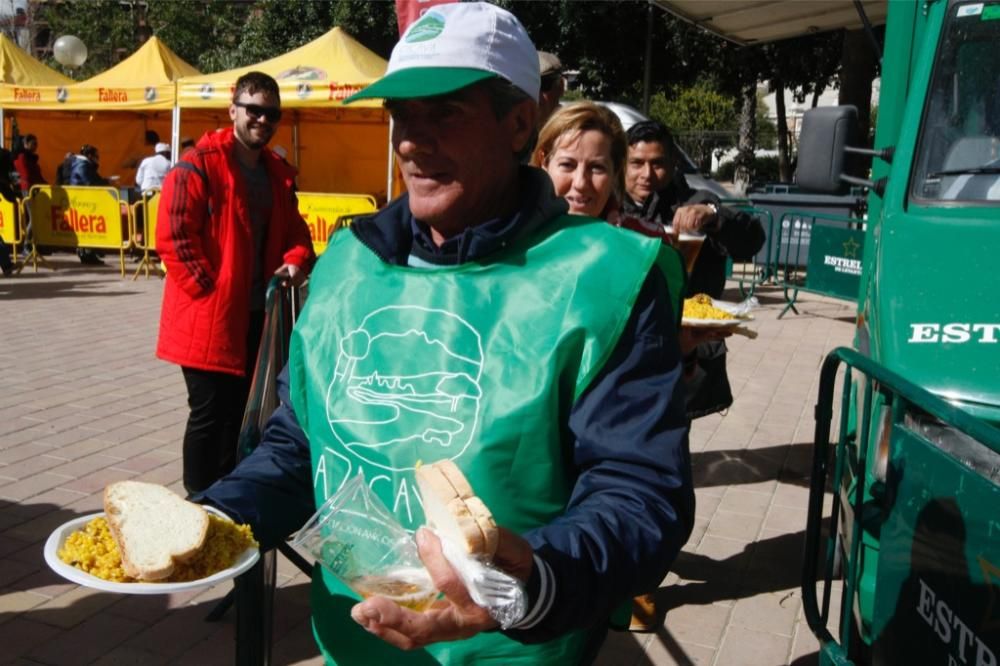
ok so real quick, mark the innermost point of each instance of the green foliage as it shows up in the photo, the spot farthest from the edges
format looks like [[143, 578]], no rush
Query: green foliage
[[107, 27], [805, 65], [605, 41], [767, 130], [199, 31], [764, 169], [277, 26], [214, 35], [697, 108], [371, 23], [701, 119]]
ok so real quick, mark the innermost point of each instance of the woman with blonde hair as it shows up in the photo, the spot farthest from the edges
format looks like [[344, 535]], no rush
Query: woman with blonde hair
[[583, 148]]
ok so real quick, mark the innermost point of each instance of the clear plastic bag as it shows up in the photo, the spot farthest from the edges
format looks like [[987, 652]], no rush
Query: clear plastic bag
[[502, 595], [357, 539], [745, 307]]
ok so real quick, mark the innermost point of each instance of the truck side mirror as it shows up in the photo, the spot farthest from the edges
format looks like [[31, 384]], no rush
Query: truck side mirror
[[826, 131]]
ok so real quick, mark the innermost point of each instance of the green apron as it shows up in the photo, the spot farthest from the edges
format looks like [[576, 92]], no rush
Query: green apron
[[391, 366]]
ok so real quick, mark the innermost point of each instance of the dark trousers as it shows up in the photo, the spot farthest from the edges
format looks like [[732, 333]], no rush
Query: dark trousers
[[217, 401], [6, 264]]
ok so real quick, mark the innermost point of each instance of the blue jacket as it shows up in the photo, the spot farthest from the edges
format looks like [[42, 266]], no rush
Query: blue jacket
[[632, 508], [84, 172]]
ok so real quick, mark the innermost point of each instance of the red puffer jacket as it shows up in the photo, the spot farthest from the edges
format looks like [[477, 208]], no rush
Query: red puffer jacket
[[203, 235]]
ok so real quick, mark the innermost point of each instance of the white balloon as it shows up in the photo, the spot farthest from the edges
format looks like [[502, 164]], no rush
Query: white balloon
[[70, 51]]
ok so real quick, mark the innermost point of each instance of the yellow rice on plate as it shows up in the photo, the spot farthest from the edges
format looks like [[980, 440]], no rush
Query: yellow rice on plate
[[700, 306], [94, 551]]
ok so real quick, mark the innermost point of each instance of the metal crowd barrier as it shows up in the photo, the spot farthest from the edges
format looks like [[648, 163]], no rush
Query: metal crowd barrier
[[74, 217], [324, 213], [818, 253], [254, 590], [915, 483], [752, 272], [143, 233], [10, 224]]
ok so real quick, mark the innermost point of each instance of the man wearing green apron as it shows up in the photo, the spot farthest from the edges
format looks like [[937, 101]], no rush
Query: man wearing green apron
[[472, 319]]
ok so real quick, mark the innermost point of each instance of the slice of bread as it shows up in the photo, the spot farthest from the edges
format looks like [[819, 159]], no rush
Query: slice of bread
[[153, 527], [451, 508]]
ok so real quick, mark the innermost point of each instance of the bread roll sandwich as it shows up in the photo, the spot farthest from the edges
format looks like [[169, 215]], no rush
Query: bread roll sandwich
[[153, 527], [452, 508]]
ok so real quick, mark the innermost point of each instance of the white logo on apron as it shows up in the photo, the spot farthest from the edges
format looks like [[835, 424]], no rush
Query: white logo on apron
[[406, 389]]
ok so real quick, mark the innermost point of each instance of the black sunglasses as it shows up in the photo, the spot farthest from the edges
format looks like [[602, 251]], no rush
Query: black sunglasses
[[270, 113]]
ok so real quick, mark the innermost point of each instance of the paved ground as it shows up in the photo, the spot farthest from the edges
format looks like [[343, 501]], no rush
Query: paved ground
[[84, 402]]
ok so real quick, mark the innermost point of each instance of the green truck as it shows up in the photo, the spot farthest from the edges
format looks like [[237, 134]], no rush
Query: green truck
[[916, 452], [907, 434]]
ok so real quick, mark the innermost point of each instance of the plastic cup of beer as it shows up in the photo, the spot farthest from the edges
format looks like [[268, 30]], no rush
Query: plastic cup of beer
[[689, 245], [409, 587], [357, 539]]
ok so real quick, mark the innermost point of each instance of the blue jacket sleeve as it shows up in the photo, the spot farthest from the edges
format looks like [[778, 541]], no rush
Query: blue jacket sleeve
[[632, 508], [271, 489]]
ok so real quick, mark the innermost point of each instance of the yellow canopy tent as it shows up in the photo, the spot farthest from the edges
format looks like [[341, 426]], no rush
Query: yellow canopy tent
[[21, 75], [337, 148], [20, 69], [111, 111]]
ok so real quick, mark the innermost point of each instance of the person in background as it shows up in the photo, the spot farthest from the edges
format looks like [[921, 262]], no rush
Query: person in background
[[86, 166], [149, 139], [149, 176], [153, 169], [187, 143], [26, 163], [656, 191], [29, 173], [6, 172], [6, 263], [228, 222], [582, 148], [7, 190], [84, 171], [552, 85], [473, 319]]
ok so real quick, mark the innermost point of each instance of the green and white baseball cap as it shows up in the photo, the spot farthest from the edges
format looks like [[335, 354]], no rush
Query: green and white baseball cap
[[453, 46]]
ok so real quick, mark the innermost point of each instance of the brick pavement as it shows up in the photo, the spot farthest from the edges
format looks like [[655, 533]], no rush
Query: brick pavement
[[85, 402]]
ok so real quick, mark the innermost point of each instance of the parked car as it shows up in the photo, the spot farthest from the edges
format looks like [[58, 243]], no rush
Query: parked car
[[630, 116]]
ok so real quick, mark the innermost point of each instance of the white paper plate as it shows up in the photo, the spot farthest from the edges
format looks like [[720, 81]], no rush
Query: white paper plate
[[55, 541], [686, 235], [726, 306], [711, 323]]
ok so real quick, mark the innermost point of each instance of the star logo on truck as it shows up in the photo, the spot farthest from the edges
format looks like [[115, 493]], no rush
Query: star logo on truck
[[851, 248]]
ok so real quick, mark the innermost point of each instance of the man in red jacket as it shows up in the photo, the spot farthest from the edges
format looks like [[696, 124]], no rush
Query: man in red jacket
[[228, 221]]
